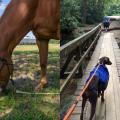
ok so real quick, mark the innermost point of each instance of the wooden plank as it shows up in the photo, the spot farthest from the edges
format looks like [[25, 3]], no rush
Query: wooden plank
[[110, 109], [75, 117], [77, 110], [109, 98], [100, 110], [116, 84], [79, 103]]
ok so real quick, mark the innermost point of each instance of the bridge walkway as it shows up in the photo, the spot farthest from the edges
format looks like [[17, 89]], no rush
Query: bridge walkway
[[110, 109]]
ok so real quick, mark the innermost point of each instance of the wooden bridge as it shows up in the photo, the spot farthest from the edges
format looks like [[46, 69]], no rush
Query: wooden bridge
[[88, 49]]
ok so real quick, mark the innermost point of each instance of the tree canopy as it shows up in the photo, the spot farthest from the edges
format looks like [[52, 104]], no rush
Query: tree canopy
[[75, 13]]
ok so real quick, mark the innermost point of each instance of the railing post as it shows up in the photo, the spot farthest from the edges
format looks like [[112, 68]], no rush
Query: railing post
[[80, 69], [65, 66]]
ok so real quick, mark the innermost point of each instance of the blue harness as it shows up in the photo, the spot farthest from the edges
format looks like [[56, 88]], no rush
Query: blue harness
[[103, 75]]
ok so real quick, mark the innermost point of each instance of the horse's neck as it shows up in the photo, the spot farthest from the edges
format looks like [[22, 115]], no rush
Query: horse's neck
[[14, 25], [9, 38], [3, 42]]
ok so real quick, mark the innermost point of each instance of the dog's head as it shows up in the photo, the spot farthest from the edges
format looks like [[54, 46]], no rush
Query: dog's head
[[105, 61]]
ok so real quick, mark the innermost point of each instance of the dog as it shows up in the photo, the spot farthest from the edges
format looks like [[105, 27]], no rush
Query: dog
[[100, 78]]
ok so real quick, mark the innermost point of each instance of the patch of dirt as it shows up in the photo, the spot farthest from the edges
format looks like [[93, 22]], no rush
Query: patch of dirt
[[26, 74]]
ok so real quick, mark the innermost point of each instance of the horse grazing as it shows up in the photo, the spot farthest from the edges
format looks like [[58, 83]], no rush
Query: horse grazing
[[42, 17]]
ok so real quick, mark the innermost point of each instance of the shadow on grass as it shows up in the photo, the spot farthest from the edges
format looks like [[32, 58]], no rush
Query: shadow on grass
[[26, 77], [27, 73], [31, 107], [28, 107]]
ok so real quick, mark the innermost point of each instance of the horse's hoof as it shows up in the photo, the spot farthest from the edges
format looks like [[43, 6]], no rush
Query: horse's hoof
[[39, 87]]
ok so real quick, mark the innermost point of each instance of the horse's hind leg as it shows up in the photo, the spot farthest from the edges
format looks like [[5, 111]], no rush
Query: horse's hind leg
[[43, 53]]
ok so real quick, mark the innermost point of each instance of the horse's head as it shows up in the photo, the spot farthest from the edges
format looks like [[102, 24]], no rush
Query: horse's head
[[6, 69]]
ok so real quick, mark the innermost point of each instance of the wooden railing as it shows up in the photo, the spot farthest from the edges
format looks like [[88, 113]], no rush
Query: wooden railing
[[80, 50]]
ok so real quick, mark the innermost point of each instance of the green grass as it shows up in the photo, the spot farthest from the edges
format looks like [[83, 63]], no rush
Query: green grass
[[26, 76], [29, 107]]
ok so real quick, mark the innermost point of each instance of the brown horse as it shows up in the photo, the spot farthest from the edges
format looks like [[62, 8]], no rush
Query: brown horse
[[21, 16]]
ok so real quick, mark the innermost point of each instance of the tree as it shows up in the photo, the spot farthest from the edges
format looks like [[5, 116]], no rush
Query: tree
[[84, 10], [75, 13], [70, 15], [112, 8]]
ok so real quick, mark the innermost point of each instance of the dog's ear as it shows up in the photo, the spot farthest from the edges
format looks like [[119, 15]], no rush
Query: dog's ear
[[101, 60], [105, 60]]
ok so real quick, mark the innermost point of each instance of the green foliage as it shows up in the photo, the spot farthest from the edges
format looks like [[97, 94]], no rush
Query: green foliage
[[114, 9], [70, 15], [95, 11], [76, 12]]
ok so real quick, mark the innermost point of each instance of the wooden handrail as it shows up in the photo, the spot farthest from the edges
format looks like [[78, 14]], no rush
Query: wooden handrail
[[69, 47]]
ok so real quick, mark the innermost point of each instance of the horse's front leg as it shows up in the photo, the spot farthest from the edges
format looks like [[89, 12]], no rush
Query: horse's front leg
[[43, 53]]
